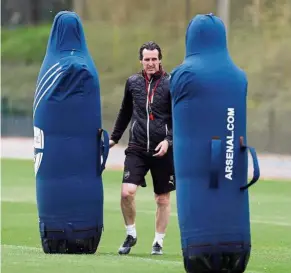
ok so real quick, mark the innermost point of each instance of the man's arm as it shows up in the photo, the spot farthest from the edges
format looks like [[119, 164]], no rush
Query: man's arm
[[124, 115], [169, 136]]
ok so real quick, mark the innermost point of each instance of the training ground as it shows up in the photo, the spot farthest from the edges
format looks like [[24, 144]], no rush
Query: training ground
[[270, 205]]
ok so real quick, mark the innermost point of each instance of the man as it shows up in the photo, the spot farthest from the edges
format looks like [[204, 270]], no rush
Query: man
[[147, 104]]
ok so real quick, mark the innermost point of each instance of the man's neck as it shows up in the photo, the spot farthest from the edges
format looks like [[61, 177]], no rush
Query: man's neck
[[149, 76]]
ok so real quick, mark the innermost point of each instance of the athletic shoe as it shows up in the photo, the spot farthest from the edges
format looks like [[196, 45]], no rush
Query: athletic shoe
[[127, 245]]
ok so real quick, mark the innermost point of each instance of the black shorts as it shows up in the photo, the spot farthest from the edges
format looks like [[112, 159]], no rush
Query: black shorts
[[138, 163]]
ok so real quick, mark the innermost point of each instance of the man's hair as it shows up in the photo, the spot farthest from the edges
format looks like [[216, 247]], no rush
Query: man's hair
[[150, 46]]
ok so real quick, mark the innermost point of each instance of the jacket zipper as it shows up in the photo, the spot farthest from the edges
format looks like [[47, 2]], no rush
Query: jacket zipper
[[148, 117], [132, 127], [166, 126]]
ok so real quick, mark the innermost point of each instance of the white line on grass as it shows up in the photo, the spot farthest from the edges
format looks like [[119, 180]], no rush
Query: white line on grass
[[39, 250], [282, 224]]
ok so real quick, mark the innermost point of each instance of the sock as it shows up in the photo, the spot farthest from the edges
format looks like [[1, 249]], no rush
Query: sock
[[159, 237], [130, 230]]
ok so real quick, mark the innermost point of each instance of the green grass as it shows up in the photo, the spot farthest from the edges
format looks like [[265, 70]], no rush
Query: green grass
[[21, 252], [26, 44]]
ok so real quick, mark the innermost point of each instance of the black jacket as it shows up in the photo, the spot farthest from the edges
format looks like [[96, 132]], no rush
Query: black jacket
[[150, 123]]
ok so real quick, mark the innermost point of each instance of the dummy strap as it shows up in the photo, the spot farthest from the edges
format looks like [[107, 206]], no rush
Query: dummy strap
[[216, 148], [256, 172], [215, 162], [104, 149]]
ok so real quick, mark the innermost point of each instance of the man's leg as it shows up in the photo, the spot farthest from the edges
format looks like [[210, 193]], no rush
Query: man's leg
[[163, 212], [135, 169], [162, 171], [128, 207], [162, 217]]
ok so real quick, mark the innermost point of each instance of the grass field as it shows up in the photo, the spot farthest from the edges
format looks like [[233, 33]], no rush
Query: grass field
[[21, 252]]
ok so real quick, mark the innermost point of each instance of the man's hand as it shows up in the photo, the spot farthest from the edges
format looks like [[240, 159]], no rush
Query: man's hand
[[162, 148], [111, 143]]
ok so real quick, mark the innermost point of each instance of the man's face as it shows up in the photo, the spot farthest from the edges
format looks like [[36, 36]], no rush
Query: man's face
[[150, 61]]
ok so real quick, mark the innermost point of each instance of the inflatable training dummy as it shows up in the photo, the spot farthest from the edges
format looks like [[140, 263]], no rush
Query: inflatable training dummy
[[209, 94], [69, 142]]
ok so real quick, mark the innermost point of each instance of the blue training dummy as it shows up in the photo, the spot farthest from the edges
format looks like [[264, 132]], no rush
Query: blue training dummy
[[69, 142], [209, 97]]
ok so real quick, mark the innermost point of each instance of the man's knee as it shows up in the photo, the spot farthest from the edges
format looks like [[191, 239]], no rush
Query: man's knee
[[128, 191], [163, 199]]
